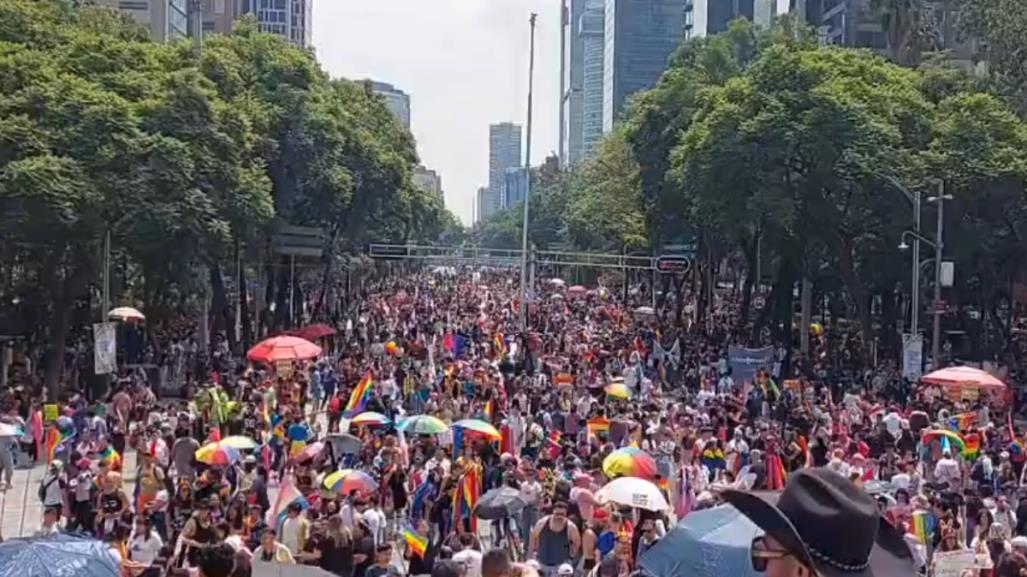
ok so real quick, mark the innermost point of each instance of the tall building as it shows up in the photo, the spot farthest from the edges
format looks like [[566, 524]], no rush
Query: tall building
[[428, 180], [481, 199], [397, 101], [593, 49], [515, 186], [167, 20], [708, 17], [504, 153], [639, 36], [220, 15], [572, 72], [292, 19]]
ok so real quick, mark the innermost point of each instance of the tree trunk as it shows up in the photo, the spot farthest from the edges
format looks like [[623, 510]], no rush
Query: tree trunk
[[749, 250], [244, 306], [857, 291], [679, 303], [60, 326], [327, 261], [222, 310]]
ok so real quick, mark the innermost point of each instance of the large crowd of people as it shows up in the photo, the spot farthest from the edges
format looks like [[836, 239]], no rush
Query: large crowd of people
[[432, 430]]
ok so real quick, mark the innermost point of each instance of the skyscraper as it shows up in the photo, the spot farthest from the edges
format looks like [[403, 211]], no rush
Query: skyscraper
[[220, 15], [572, 71], [397, 101], [289, 18], [591, 30], [639, 36], [515, 186], [428, 180], [504, 153], [167, 20], [708, 17], [481, 199]]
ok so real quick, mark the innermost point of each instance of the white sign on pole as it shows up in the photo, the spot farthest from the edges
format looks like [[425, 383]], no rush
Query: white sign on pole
[[912, 356], [105, 354]]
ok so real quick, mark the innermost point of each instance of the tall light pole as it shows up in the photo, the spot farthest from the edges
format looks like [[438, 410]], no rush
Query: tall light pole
[[527, 188], [938, 244]]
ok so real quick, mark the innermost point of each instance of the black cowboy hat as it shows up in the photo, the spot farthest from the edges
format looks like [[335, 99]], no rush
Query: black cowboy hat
[[829, 524]]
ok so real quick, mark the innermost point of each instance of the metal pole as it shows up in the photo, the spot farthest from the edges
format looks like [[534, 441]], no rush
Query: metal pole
[[914, 323], [939, 243], [527, 189], [292, 288], [759, 260], [106, 276]]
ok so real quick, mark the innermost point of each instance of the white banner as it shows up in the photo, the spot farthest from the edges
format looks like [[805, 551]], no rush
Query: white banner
[[105, 353], [912, 356]]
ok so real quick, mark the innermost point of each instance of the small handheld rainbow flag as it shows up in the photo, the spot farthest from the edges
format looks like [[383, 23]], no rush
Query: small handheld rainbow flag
[[922, 525], [490, 408], [553, 444], [598, 425], [54, 438], [499, 342], [416, 543], [112, 457], [358, 399]]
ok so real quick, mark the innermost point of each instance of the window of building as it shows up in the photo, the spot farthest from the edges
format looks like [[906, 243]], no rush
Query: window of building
[[138, 6]]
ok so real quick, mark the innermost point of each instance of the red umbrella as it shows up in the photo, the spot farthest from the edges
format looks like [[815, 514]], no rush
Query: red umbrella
[[963, 377], [313, 332], [283, 348]]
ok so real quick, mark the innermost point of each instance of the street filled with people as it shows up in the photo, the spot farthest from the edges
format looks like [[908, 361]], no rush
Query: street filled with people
[[427, 433]]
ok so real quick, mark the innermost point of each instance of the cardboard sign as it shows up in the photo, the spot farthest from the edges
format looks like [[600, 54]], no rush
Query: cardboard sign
[[955, 563]]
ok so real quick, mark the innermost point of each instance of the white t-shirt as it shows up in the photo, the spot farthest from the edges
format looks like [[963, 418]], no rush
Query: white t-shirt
[[375, 520], [291, 533], [471, 560], [145, 550]]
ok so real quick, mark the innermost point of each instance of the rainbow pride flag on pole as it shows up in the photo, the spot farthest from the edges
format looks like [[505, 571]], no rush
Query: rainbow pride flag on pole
[[287, 495], [416, 543], [361, 394], [922, 526]]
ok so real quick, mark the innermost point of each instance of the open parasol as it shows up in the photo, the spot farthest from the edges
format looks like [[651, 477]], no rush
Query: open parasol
[[370, 419], [633, 492], [348, 481], [630, 462], [283, 348], [962, 377], [479, 427], [423, 425], [939, 434], [313, 332], [126, 314]]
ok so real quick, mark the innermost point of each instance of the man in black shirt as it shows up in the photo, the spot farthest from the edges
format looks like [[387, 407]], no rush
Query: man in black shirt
[[363, 550]]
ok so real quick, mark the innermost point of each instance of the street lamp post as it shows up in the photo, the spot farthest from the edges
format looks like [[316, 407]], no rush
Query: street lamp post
[[938, 244], [523, 312]]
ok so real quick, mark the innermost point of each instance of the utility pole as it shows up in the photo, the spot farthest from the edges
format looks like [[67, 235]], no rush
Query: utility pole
[[939, 244], [527, 189], [106, 289], [914, 302]]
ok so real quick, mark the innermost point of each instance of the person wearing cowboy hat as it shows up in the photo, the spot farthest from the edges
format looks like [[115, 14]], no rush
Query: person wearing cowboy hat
[[822, 525]]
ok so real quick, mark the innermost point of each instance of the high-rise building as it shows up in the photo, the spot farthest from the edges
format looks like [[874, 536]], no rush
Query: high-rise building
[[397, 101], [481, 199], [708, 17], [572, 72], [220, 15], [292, 19], [639, 37], [167, 20], [504, 153], [515, 186], [428, 180], [591, 30]]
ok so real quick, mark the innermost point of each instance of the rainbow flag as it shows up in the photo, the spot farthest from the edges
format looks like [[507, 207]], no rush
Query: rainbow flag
[[564, 379], [111, 456], [287, 495], [415, 542], [553, 444], [922, 525], [490, 408], [598, 425], [499, 342], [54, 438], [358, 399], [962, 421], [465, 497], [972, 445]]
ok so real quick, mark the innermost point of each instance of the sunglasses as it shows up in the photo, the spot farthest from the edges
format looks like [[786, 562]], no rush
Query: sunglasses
[[761, 554]]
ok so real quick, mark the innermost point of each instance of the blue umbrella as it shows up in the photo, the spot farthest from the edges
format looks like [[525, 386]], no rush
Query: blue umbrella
[[60, 555], [708, 543], [299, 432]]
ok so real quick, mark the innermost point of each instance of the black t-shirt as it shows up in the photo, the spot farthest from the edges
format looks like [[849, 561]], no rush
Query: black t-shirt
[[364, 546], [424, 566], [337, 559]]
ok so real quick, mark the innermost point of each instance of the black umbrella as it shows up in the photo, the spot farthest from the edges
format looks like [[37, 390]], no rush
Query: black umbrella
[[344, 443], [499, 504]]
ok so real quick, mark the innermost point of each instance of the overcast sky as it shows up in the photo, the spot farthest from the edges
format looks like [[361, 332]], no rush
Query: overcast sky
[[464, 64]]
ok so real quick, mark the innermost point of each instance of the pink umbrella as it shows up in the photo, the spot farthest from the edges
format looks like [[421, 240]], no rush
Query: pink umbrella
[[962, 377], [577, 290], [283, 348]]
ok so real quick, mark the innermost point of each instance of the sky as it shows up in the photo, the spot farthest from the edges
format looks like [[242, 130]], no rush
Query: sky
[[464, 64]]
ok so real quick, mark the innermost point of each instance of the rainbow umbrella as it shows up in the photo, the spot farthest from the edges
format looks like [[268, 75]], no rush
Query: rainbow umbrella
[[629, 462], [939, 434], [423, 425], [370, 419], [240, 442], [618, 390], [479, 426], [218, 454], [348, 481]]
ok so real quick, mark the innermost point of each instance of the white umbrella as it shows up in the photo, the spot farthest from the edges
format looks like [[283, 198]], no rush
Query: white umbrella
[[557, 281], [633, 492], [645, 311], [9, 430], [126, 314]]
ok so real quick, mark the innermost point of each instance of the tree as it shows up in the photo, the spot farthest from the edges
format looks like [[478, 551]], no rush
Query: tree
[[1001, 28]]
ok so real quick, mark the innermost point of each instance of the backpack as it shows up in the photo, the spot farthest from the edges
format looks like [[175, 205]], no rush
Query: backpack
[[43, 488]]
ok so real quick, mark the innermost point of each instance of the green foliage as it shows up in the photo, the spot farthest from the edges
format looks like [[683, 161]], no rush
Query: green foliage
[[1001, 28], [183, 159]]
